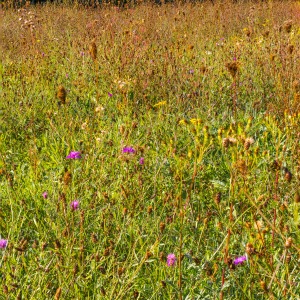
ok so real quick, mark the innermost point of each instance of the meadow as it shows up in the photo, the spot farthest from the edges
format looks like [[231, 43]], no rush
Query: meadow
[[150, 152]]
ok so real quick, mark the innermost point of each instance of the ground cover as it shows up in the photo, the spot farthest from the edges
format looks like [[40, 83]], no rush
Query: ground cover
[[150, 152]]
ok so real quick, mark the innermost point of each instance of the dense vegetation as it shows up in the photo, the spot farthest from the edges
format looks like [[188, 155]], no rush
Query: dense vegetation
[[150, 153]]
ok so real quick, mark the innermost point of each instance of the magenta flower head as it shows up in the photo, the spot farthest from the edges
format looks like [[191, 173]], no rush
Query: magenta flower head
[[3, 243], [171, 260], [75, 205], [142, 161], [240, 260], [45, 195], [110, 95], [128, 150], [74, 155]]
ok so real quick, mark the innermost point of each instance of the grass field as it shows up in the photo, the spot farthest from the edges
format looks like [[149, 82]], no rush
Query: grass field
[[150, 152]]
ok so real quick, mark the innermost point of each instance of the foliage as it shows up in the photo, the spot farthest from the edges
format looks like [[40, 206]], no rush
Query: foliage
[[150, 153]]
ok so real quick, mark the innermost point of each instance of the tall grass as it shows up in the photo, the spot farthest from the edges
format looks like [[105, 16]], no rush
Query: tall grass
[[186, 118]]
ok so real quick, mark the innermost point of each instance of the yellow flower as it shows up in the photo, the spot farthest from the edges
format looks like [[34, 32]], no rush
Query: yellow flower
[[196, 121], [161, 103]]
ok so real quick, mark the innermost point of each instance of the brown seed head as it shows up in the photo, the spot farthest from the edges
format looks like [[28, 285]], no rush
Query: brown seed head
[[218, 198], [67, 177], [250, 249], [150, 209], [297, 197], [61, 94], [263, 285], [148, 254], [290, 49], [93, 50], [288, 175], [296, 85], [121, 271], [287, 25], [162, 227], [288, 242], [232, 68], [94, 238]]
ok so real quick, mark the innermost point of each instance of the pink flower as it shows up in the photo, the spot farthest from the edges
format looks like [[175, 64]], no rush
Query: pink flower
[[240, 260], [142, 161], [128, 150], [74, 155], [171, 260], [3, 243], [75, 205], [45, 195]]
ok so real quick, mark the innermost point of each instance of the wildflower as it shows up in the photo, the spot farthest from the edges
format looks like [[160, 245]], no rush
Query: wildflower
[[161, 103], [142, 161], [75, 205], [3, 243], [45, 195], [110, 95], [128, 150], [196, 121], [74, 155], [171, 260], [240, 260], [182, 122]]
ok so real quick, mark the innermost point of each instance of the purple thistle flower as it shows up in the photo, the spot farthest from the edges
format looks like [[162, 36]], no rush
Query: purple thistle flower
[[142, 161], [171, 260], [110, 95], [74, 155], [240, 260], [74, 205], [45, 195], [3, 243], [128, 150]]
